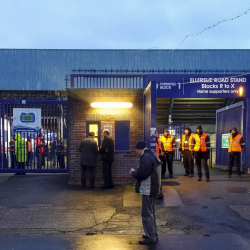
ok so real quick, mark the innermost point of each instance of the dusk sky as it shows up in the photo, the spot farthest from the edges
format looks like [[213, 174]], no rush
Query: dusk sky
[[127, 24]]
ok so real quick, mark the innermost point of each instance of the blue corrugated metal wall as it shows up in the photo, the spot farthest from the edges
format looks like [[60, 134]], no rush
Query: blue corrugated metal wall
[[226, 118], [24, 69]]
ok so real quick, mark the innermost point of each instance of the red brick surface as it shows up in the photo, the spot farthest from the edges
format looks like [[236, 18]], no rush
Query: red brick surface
[[79, 101]]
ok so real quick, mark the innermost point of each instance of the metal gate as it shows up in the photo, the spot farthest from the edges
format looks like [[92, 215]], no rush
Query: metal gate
[[39, 151], [177, 131]]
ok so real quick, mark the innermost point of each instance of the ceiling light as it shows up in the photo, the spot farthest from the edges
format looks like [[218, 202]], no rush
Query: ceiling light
[[109, 105]]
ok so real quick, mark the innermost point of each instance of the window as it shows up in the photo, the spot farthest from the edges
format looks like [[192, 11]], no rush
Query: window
[[94, 127], [122, 131]]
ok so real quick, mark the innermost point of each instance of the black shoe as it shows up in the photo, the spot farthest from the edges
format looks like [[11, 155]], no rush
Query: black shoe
[[92, 186], [147, 242], [111, 186], [207, 179], [103, 187], [191, 175], [170, 176], [17, 174], [199, 178], [146, 237], [186, 174]]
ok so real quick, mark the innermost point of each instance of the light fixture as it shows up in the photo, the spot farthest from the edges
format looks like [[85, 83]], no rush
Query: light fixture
[[108, 105], [241, 90]]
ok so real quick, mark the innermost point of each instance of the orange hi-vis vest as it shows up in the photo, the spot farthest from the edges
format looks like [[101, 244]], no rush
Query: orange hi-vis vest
[[11, 148], [234, 143], [167, 143], [29, 146], [158, 148], [189, 141], [200, 142], [1, 149]]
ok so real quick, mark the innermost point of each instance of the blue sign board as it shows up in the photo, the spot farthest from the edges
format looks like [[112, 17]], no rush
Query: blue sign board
[[201, 86]]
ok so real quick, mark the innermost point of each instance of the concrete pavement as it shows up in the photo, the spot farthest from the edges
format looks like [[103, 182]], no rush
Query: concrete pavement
[[43, 212]]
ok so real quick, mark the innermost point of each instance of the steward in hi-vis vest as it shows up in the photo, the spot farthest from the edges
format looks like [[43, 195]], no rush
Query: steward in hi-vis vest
[[201, 142], [159, 151], [12, 152], [29, 159], [236, 145], [158, 146], [168, 144], [186, 149]]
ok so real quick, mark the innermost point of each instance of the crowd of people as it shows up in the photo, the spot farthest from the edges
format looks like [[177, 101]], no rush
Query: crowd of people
[[21, 152], [196, 146]]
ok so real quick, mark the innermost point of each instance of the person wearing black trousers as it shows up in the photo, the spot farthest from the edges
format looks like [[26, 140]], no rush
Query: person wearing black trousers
[[236, 145], [168, 145], [201, 143], [186, 149], [89, 153], [107, 157]]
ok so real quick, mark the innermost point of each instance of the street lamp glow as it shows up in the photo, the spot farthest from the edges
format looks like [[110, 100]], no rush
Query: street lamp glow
[[110, 105]]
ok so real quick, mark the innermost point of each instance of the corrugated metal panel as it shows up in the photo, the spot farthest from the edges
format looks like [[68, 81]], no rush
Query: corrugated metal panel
[[111, 82], [24, 69], [226, 118]]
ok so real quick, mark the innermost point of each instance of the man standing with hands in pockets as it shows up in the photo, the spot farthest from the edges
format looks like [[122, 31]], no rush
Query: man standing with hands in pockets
[[148, 176]]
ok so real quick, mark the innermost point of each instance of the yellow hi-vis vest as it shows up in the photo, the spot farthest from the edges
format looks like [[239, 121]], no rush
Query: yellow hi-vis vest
[[200, 142], [189, 141], [234, 143], [167, 143]]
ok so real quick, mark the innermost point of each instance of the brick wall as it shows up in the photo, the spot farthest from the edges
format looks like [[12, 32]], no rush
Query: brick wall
[[79, 110]]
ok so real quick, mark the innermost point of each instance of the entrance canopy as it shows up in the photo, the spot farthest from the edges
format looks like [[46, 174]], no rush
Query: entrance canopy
[[188, 86]]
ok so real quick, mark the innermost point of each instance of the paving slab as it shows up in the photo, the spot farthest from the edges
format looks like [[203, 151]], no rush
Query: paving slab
[[243, 210], [171, 197]]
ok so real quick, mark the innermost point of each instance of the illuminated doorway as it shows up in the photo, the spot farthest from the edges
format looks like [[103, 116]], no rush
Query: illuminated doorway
[[96, 128]]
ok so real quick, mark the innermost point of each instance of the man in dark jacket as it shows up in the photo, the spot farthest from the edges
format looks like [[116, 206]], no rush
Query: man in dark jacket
[[89, 150], [236, 145], [201, 142], [148, 176], [107, 157]]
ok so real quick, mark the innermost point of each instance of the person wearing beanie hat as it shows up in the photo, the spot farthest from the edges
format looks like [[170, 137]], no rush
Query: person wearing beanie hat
[[201, 142], [236, 145], [148, 176], [187, 151], [140, 145], [168, 143]]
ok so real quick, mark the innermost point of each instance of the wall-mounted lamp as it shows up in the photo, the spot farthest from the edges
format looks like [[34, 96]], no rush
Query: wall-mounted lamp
[[241, 90], [109, 105]]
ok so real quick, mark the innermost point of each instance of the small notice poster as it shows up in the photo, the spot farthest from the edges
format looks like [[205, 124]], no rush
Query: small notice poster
[[225, 140]]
